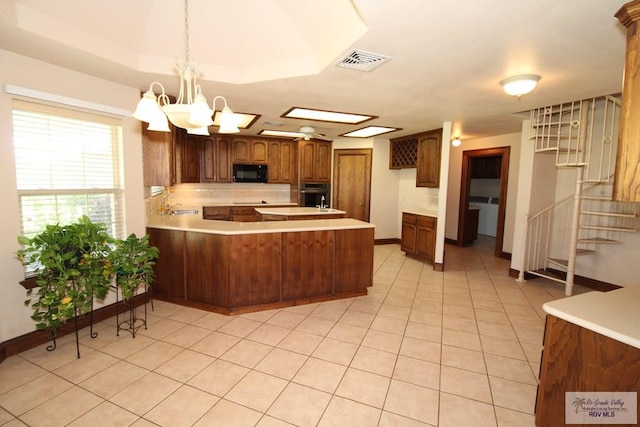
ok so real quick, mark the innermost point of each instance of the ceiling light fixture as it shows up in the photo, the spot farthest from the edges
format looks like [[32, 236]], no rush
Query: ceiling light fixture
[[326, 116], [520, 85], [191, 110], [456, 141], [369, 131]]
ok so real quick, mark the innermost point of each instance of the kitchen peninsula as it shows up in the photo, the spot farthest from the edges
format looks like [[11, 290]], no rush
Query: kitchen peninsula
[[239, 267]]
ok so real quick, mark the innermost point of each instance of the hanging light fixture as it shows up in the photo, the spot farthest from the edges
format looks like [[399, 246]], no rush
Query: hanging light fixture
[[191, 110], [520, 85]]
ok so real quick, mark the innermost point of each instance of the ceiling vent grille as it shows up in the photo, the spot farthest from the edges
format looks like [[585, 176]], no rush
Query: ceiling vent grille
[[362, 61]]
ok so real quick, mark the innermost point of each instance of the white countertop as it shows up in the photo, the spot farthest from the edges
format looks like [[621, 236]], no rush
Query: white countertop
[[614, 314], [196, 223], [293, 211], [249, 203]]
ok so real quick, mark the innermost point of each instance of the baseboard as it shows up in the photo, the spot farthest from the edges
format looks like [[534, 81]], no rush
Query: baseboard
[[505, 255], [386, 241], [451, 241], [587, 282], [33, 339], [438, 266]]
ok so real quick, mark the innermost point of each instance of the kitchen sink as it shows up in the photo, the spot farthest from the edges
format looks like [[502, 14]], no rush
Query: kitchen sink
[[184, 212]]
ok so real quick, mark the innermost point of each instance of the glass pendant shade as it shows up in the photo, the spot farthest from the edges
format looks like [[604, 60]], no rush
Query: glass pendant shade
[[199, 131], [147, 108], [228, 122], [200, 112], [160, 123]]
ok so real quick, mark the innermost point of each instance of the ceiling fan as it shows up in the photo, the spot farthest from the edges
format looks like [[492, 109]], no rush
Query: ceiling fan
[[308, 132]]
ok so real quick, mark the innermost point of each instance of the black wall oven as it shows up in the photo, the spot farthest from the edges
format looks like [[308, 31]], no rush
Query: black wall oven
[[312, 193]]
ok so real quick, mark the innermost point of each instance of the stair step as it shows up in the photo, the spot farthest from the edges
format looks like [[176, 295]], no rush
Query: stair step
[[602, 198], [561, 262], [598, 240], [571, 165], [598, 227], [610, 214], [565, 263], [548, 275]]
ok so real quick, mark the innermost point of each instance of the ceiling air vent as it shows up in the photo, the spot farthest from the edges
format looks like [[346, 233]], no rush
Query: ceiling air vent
[[362, 61]]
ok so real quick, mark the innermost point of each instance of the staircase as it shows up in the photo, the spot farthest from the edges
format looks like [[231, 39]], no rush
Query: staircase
[[582, 137]]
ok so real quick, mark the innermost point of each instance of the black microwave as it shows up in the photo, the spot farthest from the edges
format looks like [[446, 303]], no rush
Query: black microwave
[[249, 173]]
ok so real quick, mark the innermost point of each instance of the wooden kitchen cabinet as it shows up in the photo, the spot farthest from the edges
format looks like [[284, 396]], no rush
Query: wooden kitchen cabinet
[[250, 150], [220, 213], [314, 161], [216, 159], [202, 158], [188, 157], [282, 162], [471, 225], [428, 164], [418, 236], [158, 157]]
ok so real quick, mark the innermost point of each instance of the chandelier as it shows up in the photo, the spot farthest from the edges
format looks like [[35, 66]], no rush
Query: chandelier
[[191, 110]]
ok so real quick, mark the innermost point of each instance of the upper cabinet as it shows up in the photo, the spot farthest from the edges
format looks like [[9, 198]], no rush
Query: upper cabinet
[[216, 159], [158, 151], [282, 162], [247, 150], [627, 175], [314, 160], [202, 158], [428, 165]]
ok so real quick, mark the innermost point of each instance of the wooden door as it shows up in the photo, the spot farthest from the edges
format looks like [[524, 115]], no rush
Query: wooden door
[[352, 182]]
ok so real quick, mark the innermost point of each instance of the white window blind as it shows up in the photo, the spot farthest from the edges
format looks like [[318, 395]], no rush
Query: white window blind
[[68, 164]]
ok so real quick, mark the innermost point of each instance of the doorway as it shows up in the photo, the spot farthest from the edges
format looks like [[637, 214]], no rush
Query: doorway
[[352, 182], [484, 164]]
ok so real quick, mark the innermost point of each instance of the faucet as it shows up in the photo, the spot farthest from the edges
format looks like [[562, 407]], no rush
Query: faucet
[[322, 203]]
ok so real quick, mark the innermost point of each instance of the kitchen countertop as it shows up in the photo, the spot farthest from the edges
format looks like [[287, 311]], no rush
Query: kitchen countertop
[[421, 211], [195, 223], [293, 211], [613, 314], [250, 203]]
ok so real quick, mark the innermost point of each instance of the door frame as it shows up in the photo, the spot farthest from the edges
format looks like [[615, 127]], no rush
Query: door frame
[[368, 152], [465, 184]]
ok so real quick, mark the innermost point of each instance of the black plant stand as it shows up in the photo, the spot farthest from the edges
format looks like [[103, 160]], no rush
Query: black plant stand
[[132, 322]]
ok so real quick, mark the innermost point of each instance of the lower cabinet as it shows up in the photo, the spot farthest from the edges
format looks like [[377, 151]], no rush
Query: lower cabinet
[[418, 236]]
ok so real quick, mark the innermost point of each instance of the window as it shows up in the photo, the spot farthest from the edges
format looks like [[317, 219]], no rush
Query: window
[[68, 164]]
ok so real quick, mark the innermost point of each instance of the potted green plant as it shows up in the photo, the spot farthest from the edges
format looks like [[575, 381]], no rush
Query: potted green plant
[[132, 260], [72, 267]]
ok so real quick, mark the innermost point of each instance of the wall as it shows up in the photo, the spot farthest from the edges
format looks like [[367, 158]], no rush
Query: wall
[[28, 73], [455, 171]]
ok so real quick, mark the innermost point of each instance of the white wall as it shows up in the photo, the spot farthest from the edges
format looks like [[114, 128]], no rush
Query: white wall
[[455, 170], [28, 73]]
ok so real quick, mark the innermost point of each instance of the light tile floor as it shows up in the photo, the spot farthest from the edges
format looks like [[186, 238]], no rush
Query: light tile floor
[[423, 348]]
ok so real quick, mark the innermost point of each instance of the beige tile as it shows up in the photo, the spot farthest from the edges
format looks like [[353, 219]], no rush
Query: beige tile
[[29, 395], [336, 351], [186, 336], [304, 309], [239, 327], [348, 333], [105, 415], [85, 367], [226, 413], [426, 317], [183, 408], [108, 382], [416, 371], [75, 401], [125, 345], [394, 311], [509, 418], [185, 365], [459, 324], [510, 369], [161, 328], [219, 377], [315, 326], [260, 316], [461, 339], [328, 313], [300, 342], [463, 358], [286, 319], [533, 352], [497, 330], [364, 306], [320, 374], [389, 324], [458, 411], [154, 355], [212, 321], [257, 391], [513, 395], [16, 372], [363, 387], [247, 353], [492, 316], [465, 312], [419, 349], [145, 393], [388, 419], [269, 334], [502, 347], [64, 353], [465, 383], [268, 421], [281, 363], [187, 315], [5, 417], [300, 405], [382, 341], [215, 344], [341, 409], [529, 336], [423, 405], [424, 332], [357, 318], [374, 361]]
